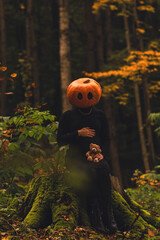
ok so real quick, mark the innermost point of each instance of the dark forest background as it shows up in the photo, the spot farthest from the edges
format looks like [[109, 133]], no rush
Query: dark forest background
[[98, 41]]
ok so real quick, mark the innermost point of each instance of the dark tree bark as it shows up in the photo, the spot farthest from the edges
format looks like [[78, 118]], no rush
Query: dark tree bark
[[135, 16], [126, 28], [99, 42], [65, 64], [89, 28], [112, 137], [145, 93], [31, 48], [35, 66], [140, 125], [137, 97], [109, 42], [3, 58]]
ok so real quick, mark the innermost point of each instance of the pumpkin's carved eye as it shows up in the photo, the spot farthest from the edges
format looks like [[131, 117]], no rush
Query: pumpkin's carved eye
[[80, 96], [90, 95]]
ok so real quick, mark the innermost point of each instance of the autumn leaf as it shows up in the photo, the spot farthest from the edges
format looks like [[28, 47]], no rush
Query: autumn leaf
[[3, 69], [22, 129], [22, 6], [33, 85], [13, 75], [20, 60], [140, 30], [9, 93], [150, 233], [5, 238]]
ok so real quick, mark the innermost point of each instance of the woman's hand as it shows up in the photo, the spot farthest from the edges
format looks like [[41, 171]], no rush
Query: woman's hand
[[86, 132]]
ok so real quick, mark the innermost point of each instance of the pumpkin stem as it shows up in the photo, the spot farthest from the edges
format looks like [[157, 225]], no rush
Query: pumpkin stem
[[87, 81]]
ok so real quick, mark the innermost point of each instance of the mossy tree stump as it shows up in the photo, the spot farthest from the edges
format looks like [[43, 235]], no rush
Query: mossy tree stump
[[50, 201]]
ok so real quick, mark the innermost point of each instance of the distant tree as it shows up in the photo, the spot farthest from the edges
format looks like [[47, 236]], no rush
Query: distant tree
[[121, 5], [89, 29], [109, 43], [147, 106], [31, 49], [3, 58], [139, 64], [99, 46], [64, 50]]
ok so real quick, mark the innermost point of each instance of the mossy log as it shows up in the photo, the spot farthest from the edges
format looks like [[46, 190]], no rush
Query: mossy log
[[50, 201]]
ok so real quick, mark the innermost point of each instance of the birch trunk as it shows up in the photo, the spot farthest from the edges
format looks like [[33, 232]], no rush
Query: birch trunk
[[65, 64]]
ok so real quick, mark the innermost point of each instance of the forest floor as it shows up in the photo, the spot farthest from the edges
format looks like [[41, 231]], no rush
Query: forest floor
[[147, 193]]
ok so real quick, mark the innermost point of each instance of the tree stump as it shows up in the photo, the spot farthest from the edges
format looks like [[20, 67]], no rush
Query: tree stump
[[51, 201]]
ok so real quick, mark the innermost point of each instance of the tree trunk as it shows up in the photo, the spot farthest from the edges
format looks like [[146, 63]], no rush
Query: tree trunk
[[65, 64], [147, 120], [28, 28], [50, 200], [108, 34], [31, 47], [35, 65], [112, 136], [146, 94], [140, 125], [89, 28], [3, 58], [135, 15], [99, 42], [126, 28], [137, 99]]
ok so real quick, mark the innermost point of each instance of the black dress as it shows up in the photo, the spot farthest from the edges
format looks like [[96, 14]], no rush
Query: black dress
[[99, 198]]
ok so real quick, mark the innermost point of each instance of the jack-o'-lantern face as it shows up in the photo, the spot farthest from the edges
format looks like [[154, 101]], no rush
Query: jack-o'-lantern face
[[84, 92]]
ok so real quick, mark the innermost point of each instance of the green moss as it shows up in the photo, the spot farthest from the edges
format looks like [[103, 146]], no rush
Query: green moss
[[30, 196], [51, 200], [155, 221], [65, 212], [40, 212], [125, 216]]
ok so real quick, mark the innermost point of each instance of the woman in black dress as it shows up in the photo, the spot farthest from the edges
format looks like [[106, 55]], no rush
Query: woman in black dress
[[78, 128]]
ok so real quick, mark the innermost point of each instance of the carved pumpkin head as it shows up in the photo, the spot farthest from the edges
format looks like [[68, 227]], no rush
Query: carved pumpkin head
[[84, 92]]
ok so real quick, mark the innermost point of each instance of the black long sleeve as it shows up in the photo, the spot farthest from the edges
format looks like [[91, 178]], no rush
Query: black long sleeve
[[69, 124], [65, 137]]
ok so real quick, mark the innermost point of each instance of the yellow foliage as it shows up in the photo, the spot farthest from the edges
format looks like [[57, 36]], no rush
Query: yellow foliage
[[13, 75], [140, 30], [33, 85], [3, 69], [113, 7], [20, 60], [111, 3], [147, 8], [22, 6], [138, 64]]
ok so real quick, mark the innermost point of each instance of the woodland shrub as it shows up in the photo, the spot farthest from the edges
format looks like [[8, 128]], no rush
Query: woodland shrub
[[147, 190], [28, 147]]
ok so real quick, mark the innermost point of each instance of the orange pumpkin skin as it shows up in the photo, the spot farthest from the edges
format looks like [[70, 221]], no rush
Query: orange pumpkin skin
[[84, 92]]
